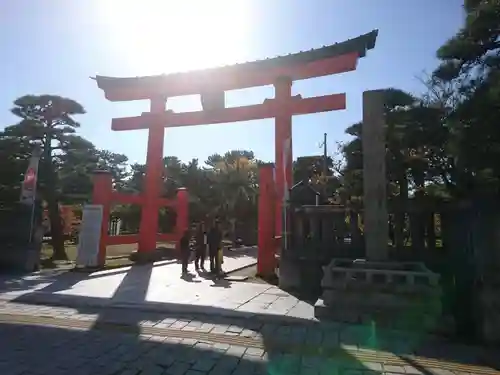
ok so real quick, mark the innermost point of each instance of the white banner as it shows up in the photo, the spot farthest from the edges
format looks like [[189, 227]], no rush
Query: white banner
[[90, 236]]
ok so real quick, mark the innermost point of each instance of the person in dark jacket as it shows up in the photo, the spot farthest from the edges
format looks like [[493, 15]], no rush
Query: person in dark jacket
[[201, 244], [214, 240], [185, 251]]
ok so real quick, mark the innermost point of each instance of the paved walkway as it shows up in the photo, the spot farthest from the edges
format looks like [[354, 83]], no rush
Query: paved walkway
[[148, 320], [38, 340], [157, 287]]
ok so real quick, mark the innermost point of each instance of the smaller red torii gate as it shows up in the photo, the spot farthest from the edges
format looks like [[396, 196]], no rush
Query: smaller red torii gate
[[104, 195]]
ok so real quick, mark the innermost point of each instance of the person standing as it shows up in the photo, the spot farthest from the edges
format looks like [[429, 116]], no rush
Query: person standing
[[185, 251], [201, 244], [214, 243]]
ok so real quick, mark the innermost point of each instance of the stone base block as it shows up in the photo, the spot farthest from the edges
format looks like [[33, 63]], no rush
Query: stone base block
[[398, 295], [404, 276], [20, 259], [300, 276], [417, 320], [289, 274], [490, 317], [322, 312], [379, 299]]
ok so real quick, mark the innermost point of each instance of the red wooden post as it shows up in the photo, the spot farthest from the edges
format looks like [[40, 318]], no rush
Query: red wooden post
[[266, 218], [101, 195], [283, 148], [148, 228], [182, 209]]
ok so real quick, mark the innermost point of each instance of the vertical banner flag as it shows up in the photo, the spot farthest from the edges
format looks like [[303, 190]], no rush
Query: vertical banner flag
[[28, 187]]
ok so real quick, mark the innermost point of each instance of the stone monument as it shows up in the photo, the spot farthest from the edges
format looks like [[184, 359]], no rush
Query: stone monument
[[375, 290]]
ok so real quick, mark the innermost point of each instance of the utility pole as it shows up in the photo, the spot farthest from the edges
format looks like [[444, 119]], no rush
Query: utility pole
[[325, 157], [325, 164]]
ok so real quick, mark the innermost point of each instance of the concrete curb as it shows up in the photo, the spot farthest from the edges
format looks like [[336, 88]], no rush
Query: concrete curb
[[240, 268]]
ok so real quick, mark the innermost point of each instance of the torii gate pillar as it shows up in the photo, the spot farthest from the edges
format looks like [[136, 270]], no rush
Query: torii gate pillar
[[148, 228]]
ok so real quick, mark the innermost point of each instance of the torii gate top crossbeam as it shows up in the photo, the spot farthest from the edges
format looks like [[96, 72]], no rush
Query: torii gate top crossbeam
[[333, 59]]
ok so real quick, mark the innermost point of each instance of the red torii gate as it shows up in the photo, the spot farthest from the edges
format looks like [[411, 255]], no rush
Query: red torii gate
[[104, 195], [211, 84]]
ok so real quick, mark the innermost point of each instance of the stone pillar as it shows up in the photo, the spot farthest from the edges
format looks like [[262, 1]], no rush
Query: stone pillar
[[376, 228], [148, 228]]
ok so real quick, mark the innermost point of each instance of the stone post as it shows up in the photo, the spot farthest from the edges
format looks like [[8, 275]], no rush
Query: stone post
[[376, 228]]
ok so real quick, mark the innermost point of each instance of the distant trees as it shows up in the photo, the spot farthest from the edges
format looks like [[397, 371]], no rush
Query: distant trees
[[444, 144]]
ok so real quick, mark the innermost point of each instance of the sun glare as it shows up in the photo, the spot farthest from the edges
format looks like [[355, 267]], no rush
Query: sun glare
[[162, 36]]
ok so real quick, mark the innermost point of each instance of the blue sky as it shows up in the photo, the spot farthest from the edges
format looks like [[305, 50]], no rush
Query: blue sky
[[54, 46]]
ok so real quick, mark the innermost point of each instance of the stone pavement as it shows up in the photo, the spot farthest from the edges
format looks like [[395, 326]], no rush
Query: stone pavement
[[37, 340], [156, 287], [147, 320]]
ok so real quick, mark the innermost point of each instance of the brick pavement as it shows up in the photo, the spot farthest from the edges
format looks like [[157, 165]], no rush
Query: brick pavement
[[39, 340]]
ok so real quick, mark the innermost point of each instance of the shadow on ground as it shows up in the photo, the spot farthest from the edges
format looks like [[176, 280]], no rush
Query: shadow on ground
[[322, 345], [99, 352], [47, 350], [61, 279]]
